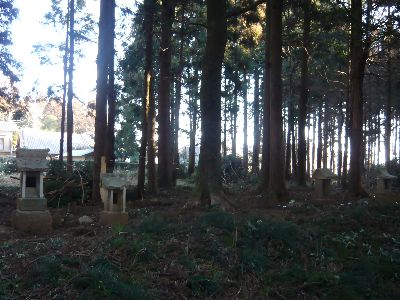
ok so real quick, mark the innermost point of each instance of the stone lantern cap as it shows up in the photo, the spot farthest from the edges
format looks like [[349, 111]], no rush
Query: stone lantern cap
[[113, 181], [323, 174], [32, 159], [384, 174]]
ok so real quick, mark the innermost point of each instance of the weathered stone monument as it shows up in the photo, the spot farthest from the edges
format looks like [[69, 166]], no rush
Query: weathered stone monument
[[32, 214], [322, 183], [384, 182], [115, 205]]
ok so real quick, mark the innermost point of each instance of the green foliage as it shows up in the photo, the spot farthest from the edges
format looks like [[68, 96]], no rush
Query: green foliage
[[218, 219], [48, 269], [101, 282], [232, 168], [203, 286], [155, 225], [61, 187], [8, 165]]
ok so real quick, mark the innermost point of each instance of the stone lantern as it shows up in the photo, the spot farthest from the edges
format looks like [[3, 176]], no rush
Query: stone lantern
[[384, 182], [115, 204], [32, 214], [322, 183]]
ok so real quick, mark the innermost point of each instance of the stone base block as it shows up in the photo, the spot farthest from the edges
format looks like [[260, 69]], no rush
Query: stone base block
[[113, 218], [33, 221], [32, 204]]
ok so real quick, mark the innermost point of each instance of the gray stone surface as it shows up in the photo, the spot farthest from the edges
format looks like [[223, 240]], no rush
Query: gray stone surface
[[32, 221], [113, 181], [32, 204], [85, 220], [32, 159]]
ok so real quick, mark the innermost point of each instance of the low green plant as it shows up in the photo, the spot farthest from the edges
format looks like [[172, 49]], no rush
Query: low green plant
[[203, 286]]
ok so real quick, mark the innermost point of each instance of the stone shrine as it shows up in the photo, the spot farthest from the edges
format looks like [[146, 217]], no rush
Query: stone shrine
[[115, 205], [384, 182], [322, 183], [32, 214]]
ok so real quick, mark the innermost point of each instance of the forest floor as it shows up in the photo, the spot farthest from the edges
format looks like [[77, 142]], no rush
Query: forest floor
[[173, 250]]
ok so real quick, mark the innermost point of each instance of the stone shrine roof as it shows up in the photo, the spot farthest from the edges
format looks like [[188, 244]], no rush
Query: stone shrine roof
[[32, 159], [113, 181], [384, 174], [323, 174]]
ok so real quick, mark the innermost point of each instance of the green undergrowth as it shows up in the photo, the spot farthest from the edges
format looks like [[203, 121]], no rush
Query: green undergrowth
[[349, 252]]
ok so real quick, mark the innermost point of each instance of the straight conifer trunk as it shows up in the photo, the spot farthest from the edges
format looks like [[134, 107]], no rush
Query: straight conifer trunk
[[101, 98], [64, 95], [276, 188], [70, 114], [255, 162], [302, 151], [210, 184], [164, 130], [245, 146]]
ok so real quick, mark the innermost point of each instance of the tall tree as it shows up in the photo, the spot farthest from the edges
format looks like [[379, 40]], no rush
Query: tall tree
[[70, 114], [164, 91], [102, 90], [255, 162], [276, 187], [302, 153], [209, 184]]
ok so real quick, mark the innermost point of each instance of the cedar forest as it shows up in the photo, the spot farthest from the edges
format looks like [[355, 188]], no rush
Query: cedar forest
[[270, 95]]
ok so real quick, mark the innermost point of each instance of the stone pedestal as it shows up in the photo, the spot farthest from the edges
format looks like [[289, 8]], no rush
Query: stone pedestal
[[114, 207], [33, 221], [32, 214], [113, 218], [322, 184]]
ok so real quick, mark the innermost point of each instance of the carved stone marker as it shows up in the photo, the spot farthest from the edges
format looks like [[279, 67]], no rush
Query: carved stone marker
[[384, 182], [115, 205], [322, 186], [32, 214]]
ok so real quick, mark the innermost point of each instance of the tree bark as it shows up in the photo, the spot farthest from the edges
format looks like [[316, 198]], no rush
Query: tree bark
[[356, 104], [70, 114], [320, 146], [255, 162], [111, 96], [193, 129], [210, 184], [101, 99], [303, 99], [64, 96], [265, 164], [276, 188], [164, 130], [245, 145]]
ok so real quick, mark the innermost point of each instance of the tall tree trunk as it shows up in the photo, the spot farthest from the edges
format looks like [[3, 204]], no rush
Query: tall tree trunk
[[320, 146], [356, 105], [325, 138], [288, 139], [210, 184], [388, 111], [164, 130], [224, 142], [255, 161], [265, 164], [303, 99], [276, 188], [110, 137], [64, 95], [178, 97], [101, 97], [294, 152], [340, 151], [70, 115], [245, 145], [193, 129]]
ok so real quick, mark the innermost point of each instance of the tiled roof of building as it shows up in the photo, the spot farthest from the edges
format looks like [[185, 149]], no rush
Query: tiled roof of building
[[9, 126], [38, 139]]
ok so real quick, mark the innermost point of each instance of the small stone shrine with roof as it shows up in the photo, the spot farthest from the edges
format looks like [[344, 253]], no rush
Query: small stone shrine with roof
[[32, 214], [115, 205], [322, 183], [384, 182]]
